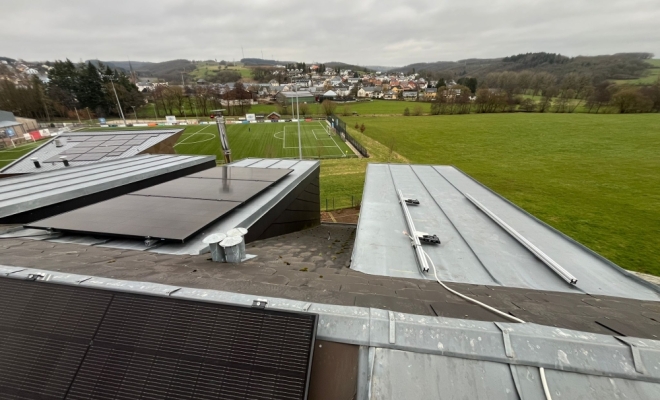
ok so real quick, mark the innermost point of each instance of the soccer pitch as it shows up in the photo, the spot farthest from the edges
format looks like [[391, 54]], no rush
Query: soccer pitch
[[270, 140]]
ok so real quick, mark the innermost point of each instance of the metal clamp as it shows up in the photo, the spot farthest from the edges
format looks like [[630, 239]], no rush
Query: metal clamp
[[259, 303]]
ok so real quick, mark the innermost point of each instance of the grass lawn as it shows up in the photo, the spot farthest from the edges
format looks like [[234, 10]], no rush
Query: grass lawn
[[593, 177], [271, 140], [10, 154]]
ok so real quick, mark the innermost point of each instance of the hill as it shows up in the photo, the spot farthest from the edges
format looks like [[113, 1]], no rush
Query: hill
[[616, 66]]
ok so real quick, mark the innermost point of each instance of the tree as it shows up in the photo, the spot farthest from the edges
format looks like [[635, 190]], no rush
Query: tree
[[600, 97], [362, 128], [470, 83], [441, 83], [630, 100], [304, 109], [406, 112], [417, 110], [328, 107], [528, 105]]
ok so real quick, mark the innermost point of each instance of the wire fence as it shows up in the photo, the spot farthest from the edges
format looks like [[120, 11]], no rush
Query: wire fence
[[340, 127], [340, 202]]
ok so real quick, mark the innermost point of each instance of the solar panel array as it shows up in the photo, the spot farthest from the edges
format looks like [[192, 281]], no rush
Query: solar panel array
[[68, 342], [173, 210], [98, 146]]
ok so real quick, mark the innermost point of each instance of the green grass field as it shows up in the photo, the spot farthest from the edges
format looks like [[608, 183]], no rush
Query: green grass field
[[9, 155], [593, 177], [273, 140]]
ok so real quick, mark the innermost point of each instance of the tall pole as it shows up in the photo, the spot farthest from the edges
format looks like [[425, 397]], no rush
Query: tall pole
[[135, 112], [299, 137], [79, 121], [89, 115], [121, 112]]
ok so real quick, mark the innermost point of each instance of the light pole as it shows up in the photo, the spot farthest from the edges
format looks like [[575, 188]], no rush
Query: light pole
[[299, 137], [135, 112], [121, 112], [89, 116]]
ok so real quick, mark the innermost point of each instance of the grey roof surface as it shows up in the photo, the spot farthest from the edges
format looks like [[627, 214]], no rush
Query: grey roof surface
[[300, 93], [9, 124], [48, 150], [410, 356], [244, 216], [474, 249], [27, 192], [312, 266]]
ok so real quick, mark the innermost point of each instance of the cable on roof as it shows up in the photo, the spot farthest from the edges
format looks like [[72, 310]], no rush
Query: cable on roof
[[486, 306], [544, 381]]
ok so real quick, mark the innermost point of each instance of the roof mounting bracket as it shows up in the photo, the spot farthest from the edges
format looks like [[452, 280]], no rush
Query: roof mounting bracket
[[508, 348], [392, 328], [173, 291], [428, 238], [636, 356], [259, 303], [411, 202], [307, 306], [36, 277]]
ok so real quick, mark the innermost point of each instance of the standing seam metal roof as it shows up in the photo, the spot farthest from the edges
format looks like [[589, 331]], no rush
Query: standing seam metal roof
[[474, 248]]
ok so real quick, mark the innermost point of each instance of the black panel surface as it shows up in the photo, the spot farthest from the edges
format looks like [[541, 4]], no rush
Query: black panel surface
[[242, 173], [133, 346], [141, 216], [207, 189]]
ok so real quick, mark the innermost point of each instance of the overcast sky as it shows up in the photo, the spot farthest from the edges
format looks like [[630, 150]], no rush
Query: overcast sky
[[365, 32]]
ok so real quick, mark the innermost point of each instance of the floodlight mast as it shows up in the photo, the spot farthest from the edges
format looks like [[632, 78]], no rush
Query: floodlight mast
[[222, 132]]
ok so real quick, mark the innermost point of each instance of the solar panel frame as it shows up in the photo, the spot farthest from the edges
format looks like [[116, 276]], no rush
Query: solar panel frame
[[242, 173], [206, 189]]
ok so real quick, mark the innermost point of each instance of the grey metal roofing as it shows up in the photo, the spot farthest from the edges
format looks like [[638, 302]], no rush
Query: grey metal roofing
[[27, 192], [411, 356], [48, 150], [8, 124], [300, 93], [474, 249], [244, 216]]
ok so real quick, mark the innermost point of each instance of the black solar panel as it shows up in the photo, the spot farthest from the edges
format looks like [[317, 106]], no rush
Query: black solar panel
[[173, 210], [90, 157], [208, 189], [141, 216], [248, 174], [143, 347]]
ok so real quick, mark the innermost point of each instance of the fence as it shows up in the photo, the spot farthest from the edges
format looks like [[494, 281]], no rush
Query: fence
[[340, 127], [340, 202]]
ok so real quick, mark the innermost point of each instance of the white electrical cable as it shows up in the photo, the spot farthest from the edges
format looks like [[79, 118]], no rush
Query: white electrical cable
[[486, 306], [546, 390]]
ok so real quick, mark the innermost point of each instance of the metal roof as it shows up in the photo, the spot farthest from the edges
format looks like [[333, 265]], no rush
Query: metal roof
[[301, 93], [411, 356], [8, 124], [244, 216], [48, 150], [27, 192], [475, 247]]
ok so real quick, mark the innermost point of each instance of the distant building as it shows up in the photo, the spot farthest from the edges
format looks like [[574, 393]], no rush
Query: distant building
[[287, 98]]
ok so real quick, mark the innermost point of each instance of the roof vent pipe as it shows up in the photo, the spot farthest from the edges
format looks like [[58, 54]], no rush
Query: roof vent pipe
[[232, 249], [60, 141], [217, 252], [239, 232], [65, 161], [35, 160]]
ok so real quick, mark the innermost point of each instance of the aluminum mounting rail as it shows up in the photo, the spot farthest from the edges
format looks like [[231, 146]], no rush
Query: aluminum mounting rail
[[417, 245], [565, 275]]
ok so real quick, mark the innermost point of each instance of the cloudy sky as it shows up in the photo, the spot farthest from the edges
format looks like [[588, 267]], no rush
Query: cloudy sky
[[365, 32]]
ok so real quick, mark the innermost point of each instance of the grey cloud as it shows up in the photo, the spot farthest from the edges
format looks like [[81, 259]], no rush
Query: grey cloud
[[384, 32]]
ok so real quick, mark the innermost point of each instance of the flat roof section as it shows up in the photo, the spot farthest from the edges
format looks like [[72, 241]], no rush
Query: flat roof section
[[25, 194], [82, 148], [474, 247]]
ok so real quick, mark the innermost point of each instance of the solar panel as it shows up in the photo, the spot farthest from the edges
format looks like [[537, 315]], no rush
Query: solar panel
[[134, 346], [141, 216], [248, 174], [90, 157], [77, 150], [173, 210], [208, 189]]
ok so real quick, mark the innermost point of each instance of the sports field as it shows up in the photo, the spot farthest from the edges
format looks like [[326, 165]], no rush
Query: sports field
[[266, 140], [10, 154]]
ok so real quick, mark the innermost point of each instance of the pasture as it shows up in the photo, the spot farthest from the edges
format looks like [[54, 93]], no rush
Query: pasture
[[593, 177]]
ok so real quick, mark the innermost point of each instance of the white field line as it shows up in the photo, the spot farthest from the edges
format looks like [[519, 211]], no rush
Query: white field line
[[203, 140], [184, 140], [333, 139]]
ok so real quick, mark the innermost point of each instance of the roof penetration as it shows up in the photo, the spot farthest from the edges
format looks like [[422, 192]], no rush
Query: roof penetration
[[27, 193], [81, 148], [484, 238]]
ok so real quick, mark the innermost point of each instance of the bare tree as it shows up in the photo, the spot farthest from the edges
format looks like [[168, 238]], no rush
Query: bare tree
[[329, 107]]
